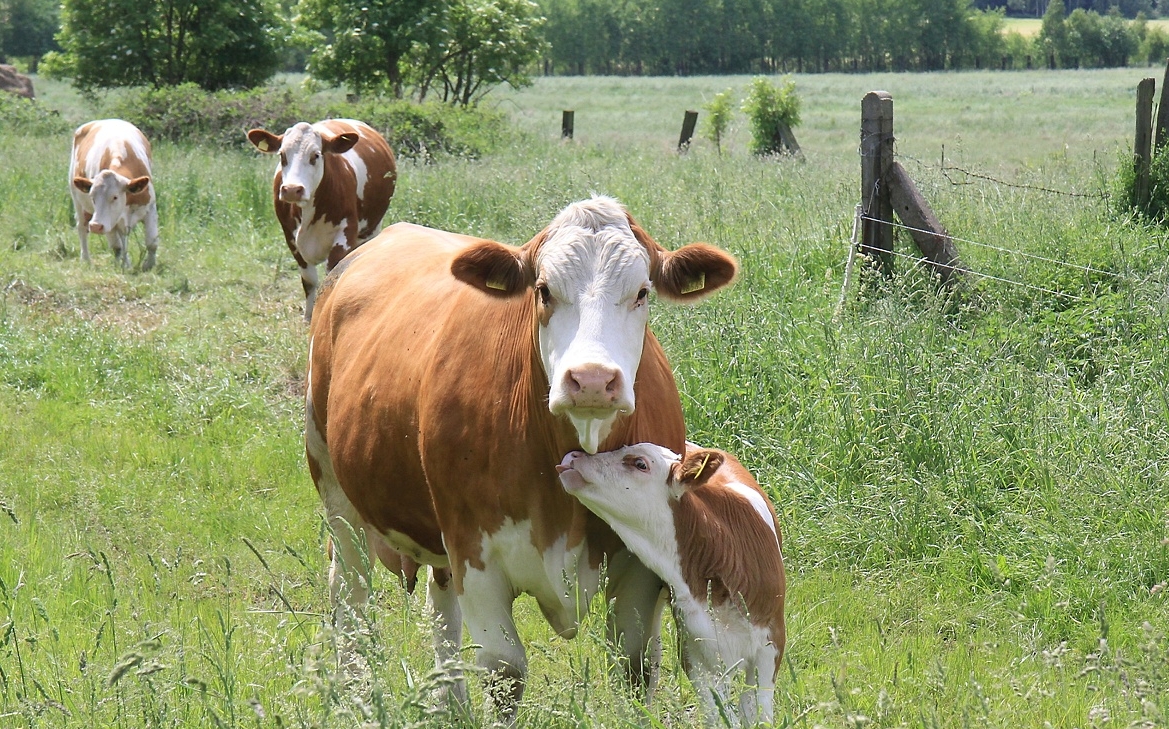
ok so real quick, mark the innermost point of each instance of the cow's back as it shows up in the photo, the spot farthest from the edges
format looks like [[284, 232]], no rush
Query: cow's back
[[374, 167]]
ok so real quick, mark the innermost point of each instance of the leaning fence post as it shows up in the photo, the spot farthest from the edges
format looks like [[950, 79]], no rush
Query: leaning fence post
[[566, 120], [876, 156], [936, 245], [689, 119], [1142, 154]]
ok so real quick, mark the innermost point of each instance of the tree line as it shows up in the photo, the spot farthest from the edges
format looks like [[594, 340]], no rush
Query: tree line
[[456, 50]]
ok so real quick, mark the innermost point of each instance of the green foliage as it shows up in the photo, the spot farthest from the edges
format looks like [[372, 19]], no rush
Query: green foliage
[[769, 108], [216, 44], [27, 28], [30, 117], [186, 114], [454, 49], [718, 118], [1125, 201]]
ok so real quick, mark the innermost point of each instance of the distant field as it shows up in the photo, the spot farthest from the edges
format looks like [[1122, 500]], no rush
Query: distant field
[[972, 487], [1029, 27]]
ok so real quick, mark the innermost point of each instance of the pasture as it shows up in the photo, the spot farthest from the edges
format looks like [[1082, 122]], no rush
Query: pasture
[[974, 488]]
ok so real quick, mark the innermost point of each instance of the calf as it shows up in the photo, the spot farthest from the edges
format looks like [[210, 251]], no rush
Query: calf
[[704, 526], [331, 189], [109, 178]]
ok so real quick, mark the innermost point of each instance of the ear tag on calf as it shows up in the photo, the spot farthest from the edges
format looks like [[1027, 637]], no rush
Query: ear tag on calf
[[496, 283], [695, 284], [263, 145]]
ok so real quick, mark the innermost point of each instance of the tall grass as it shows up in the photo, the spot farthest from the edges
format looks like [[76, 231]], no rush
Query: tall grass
[[972, 486]]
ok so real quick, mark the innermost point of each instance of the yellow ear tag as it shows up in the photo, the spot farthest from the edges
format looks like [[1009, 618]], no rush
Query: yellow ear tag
[[497, 284], [705, 461], [263, 145], [695, 284]]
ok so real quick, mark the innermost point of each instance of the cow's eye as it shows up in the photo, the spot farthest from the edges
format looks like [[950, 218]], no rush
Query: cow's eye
[[313, 160], [545, 294], [640, 464], [642, 295]]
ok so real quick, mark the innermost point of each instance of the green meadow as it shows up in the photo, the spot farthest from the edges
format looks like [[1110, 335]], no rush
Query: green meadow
[[973, 484]]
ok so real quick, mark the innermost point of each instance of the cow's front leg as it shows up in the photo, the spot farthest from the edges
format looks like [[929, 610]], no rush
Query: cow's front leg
[[83, 219], [448, 631], [308, 279], [486, 601], [120, 243], [634, 626], [150, 227]]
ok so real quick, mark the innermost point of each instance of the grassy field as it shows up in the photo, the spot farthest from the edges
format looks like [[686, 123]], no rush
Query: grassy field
[[973, 487]]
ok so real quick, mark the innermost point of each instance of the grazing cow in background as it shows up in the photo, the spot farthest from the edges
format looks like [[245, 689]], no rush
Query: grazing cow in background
[[447, 377], [703, 525], [109, 178], [332, 187]]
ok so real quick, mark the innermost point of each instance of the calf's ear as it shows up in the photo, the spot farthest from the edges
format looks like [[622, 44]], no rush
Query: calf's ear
[[138, 184], [698, 466], [83, 184], [265, 141], [339, 144], [493, 268]]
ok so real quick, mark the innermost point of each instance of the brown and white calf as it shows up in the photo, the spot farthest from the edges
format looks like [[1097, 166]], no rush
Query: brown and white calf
[[109, 179], [703, 525], [331, 190]]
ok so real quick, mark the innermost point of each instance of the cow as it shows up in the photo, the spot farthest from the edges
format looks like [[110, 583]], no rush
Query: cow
[[331, 190], [109, 179], [704, 526], [448, 375]]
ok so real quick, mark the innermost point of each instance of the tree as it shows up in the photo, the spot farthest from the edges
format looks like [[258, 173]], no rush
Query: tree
[[1053, 33], [216, 44], [718, 118], [27, 28]]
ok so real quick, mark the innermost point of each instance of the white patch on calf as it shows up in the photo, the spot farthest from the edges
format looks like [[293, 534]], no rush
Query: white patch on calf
[[752, 496]]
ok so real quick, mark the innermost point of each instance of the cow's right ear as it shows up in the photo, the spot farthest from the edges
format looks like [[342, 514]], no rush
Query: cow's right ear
[[698, 466], [83, 184], [493, 268], [265, 141]]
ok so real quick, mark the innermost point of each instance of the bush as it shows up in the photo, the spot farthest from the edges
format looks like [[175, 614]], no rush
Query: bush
[[771, 109], [30, 117], [718, 118], [1125, 196], [187, 114]]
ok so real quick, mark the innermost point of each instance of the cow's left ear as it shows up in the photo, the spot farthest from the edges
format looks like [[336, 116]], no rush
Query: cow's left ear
[[138, 184], [493, 268], [698, 466], [82, 183], [339, 144], [690, 273], [265, 141]]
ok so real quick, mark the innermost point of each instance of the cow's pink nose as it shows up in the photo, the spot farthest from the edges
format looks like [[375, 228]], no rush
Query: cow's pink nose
[[592, 385], [96, 228], [291, 193]]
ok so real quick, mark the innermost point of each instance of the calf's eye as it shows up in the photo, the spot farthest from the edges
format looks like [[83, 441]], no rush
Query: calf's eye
[[640, 464]]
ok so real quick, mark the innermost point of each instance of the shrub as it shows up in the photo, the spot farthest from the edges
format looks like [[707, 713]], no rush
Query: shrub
[[30, 117], [772, 110], [1125, 196], [187, 114], [718, 118]]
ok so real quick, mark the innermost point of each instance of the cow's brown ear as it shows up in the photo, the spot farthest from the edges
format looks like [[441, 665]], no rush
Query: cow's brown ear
[[83, 184], [265, 141], [138, 184], [341, 143], [698, 466], [693, 272], [494, 268]]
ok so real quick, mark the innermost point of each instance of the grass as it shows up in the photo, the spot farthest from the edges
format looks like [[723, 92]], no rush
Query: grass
[[972, 487]]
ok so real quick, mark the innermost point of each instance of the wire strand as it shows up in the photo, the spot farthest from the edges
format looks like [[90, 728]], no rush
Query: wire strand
[[963, 269]]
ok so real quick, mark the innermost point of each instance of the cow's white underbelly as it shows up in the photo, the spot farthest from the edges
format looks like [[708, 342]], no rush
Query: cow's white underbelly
[[316, 238]]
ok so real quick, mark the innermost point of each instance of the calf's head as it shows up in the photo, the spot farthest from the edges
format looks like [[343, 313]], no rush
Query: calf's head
[[109, 193], [302, 149], [590, 273]]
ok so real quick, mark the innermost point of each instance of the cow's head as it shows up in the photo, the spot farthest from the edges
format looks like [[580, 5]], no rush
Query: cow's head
[[302, 165], [109, 192], [589, 274]]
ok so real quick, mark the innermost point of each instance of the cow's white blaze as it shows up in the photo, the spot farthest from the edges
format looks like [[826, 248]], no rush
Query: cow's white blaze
[[594, 278], [302, 163]]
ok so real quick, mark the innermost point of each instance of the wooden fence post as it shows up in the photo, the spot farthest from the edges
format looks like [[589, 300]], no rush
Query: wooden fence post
[[927, 232], [689, 120], [1142, 154], [876, 156], [1162, 136], [566, 120]]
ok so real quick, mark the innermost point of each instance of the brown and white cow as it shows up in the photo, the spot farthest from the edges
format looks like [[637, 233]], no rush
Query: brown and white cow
[[447, 377], [331, 190], [109, 179], [703, 525]]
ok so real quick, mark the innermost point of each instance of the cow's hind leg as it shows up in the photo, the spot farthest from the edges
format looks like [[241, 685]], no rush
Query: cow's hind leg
[[634, 626], [150, 228], [487, 603]]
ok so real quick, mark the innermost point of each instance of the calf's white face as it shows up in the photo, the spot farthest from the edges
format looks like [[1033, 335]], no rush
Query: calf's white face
[[593, 295], [108, 193], [630, 488]]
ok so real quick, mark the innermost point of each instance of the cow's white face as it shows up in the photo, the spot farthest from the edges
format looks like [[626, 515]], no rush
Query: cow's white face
[[302, 150], [109, 193], [593, 298]]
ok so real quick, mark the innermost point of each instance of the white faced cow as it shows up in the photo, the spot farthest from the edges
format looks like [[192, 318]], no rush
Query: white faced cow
[[447, 377], [109, 179], [331, 190], [703, 525]]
